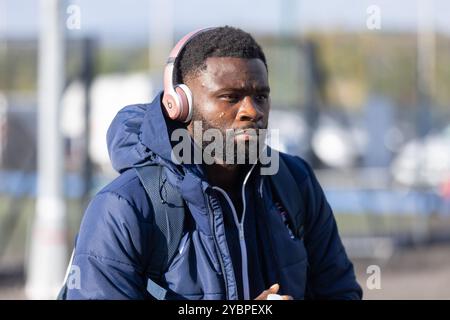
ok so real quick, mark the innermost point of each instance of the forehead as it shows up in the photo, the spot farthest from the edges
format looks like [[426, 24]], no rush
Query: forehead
[[229, 72]]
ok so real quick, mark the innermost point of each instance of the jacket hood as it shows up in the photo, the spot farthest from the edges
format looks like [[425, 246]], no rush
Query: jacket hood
[[140, 135]]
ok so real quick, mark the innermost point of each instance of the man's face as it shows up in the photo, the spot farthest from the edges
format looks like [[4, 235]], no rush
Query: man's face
[[231, 93]]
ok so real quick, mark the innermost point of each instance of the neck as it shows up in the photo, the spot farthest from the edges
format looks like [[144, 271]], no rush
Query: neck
[[227, 177]]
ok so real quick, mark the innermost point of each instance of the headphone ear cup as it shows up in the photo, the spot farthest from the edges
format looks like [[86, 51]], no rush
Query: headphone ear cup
[[171, 105], [185, 98]]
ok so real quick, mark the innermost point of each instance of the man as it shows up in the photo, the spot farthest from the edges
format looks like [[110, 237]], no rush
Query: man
[[237, 240]]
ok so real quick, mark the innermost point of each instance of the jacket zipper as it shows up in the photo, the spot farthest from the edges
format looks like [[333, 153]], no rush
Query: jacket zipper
[[240, 226]]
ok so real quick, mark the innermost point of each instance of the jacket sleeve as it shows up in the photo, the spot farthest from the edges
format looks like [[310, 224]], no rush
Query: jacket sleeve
[[108, 258], [330, 273]]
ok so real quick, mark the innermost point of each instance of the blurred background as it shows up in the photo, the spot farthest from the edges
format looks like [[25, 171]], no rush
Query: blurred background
[[360, 89]]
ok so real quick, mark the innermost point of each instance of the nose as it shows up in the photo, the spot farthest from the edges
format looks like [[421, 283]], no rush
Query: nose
[[250, 111]]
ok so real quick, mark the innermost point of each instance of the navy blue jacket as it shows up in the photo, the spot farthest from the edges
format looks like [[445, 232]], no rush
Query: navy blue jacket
[[218, 258]]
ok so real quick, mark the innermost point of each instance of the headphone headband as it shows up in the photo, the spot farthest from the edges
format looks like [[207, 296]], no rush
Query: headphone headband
[[173, 56], [177, 99]]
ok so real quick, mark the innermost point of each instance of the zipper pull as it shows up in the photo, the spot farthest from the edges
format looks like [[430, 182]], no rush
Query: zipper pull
[[260, 191], [241, 232]]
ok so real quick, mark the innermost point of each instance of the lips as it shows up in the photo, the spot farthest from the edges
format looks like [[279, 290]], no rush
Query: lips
[[246, 134], [247, 131]]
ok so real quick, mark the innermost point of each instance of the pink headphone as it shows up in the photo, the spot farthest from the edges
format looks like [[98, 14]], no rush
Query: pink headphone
[[177, 99]]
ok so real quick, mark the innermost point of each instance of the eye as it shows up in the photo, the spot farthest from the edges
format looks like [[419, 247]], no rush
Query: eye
[[231, 98], [262, 97]]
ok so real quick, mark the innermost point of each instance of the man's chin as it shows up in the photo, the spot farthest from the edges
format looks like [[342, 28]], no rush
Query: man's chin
[[234, 162], [243, 137], [244, 150]]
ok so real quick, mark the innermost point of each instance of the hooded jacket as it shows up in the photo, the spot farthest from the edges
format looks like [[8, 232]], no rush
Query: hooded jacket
[[222, 254]]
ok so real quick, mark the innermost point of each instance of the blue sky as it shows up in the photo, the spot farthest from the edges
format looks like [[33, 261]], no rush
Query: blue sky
[[123, 20]]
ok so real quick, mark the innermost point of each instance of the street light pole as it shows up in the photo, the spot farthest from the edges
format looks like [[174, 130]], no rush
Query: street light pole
[[48, 250], [161, 32]]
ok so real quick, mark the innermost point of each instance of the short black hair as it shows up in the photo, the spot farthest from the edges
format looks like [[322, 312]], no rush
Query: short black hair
[[218, 42]]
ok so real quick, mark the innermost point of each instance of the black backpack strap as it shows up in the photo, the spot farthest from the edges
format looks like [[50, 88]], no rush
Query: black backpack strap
[[168, 207], [289, 194]]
